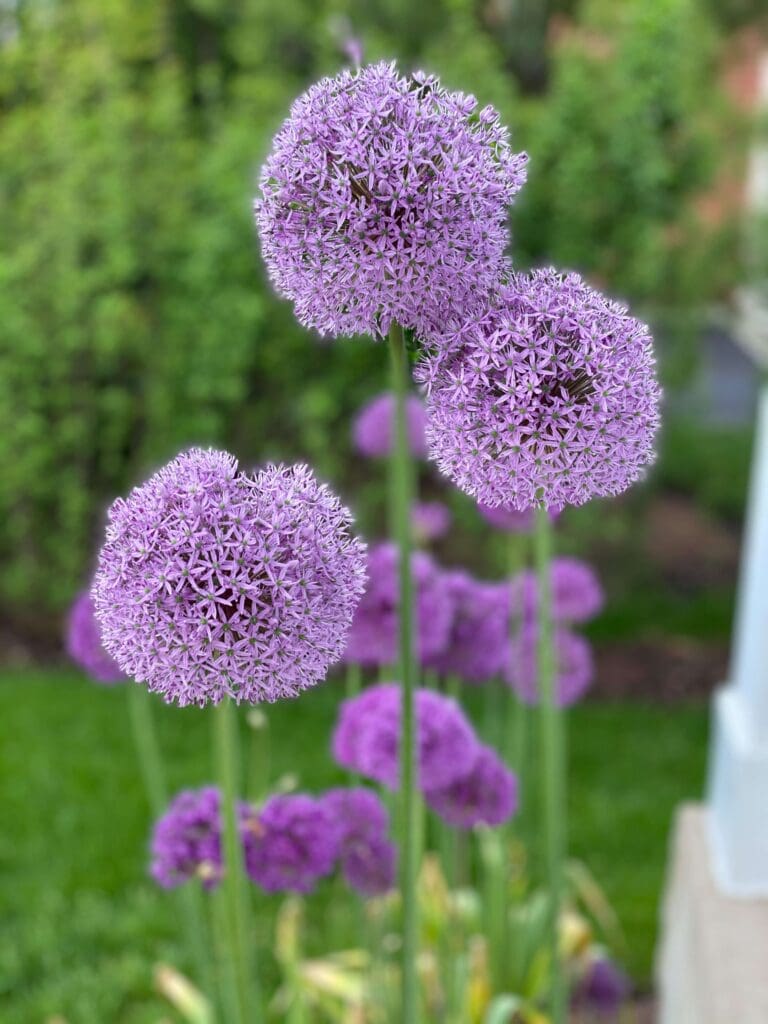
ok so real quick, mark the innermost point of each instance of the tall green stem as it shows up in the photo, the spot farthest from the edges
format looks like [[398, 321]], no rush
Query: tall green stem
[[553, 771], [402, 490], [152, 772], [234, 886]]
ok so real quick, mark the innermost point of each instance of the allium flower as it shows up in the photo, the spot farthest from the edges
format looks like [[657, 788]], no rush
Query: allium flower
[[373, 635], [511, 519], [84, 643], [486, 795], [293, 844], [548, 398], [431, 521], [212, 582], [478, 645], [368, 858], [574, 665], [186, 842], [603, 989], [385, 198], [373, 429], [576, 593], [367, 737]]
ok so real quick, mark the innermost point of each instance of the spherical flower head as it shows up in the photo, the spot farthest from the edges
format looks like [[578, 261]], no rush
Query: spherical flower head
[[385, 198], [603, 988], [294, 843], [368, 858], [478, 646], [186, 842], [513, 520], [573, 660], [548, 398], [367, 737], [373, 429], [431, 521], [83, 639], [214, 583], [374, 632], [576, 592], [486, 795]]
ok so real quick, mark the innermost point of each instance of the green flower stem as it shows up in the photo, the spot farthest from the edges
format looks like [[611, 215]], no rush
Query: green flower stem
[[354, 680], [234, 884], [152, 773], [401, 498], [553, 769]]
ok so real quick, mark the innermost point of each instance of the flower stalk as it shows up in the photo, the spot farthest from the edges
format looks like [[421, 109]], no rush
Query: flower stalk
[[401, 500], [234, 883], [553, 769]]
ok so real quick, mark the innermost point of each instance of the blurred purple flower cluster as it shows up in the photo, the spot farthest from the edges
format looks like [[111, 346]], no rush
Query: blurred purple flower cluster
[[289, 844], [463, 781]]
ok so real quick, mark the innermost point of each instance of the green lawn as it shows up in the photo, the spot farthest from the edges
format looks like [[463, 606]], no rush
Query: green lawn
[[80, 926]]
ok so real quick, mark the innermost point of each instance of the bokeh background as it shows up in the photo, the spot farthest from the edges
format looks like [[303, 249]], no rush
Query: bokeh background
[[135, 319]]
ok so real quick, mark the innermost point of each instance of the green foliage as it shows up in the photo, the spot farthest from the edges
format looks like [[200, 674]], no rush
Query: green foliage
[[618, 146]]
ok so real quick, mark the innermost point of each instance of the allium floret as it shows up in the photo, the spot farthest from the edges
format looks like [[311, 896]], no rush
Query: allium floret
[[385, 198], [293, 844], [478, 645], [547, 398], [373, 429], [486, 795], [573, 660], [84, 646], [374, 631], [367, 737], [213, 583]]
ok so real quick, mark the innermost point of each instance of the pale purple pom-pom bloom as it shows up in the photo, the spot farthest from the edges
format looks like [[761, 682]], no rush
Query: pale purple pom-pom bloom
[[373, 635], [573, 660], [294, 843], [478, 645], [368, 858], [367, 737], [213, 583], [385, 199], [486, 795], [84, 646], [373, 429], [513, 520], [576, 592], [186, 841], [431, 521], [547, 398]]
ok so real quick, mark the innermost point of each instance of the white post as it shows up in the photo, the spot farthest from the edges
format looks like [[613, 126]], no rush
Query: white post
[[738, 784]]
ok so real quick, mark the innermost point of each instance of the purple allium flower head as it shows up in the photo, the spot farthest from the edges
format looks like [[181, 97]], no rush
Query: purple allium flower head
[[478, 645], [212, 582], [603, 988], [573, 658], [84, 642], [431, 520], [385, 198], [367, 736], [548, 398], [293, 844], [186, 842], [577, 595], [352, 48], [373, 636], [486, 795], [368, 858], [373, 429], [511, 519]]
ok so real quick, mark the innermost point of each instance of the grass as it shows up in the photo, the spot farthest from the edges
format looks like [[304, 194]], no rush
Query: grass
[[81, 927]]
